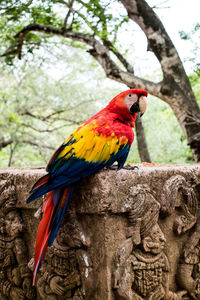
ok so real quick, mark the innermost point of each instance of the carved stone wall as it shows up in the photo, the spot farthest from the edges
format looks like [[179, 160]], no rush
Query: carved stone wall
[[127, 235]]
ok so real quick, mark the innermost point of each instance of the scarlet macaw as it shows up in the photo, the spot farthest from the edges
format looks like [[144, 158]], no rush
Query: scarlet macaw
[[97, 143]]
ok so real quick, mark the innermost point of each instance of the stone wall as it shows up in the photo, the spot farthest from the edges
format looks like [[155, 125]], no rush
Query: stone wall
[[127, 235]]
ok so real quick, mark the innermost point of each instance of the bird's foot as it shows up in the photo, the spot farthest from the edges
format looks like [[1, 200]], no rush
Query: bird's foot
[[129, 167], [126, 167], [113, 167]]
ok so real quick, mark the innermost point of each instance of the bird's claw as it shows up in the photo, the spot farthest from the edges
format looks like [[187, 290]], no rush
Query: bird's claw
[[129, 167], [126, 167], [113, 167]]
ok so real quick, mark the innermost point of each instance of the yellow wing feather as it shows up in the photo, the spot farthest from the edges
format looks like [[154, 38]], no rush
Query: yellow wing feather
[[92, 146]]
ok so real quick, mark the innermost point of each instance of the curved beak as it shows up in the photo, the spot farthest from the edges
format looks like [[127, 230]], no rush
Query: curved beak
[[142, 105], [139, 106]]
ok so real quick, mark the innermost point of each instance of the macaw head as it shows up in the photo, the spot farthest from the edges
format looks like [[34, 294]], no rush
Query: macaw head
[[129, 103]]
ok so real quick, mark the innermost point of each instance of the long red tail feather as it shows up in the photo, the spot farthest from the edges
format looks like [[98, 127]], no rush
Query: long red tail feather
[[43, 233], [53, 212]]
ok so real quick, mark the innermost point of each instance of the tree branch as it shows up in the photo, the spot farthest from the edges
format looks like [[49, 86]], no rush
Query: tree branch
[[41, 118], [159, 5], [49, 116], [68, 14], [114, 72], [34, 143], [121, 58], [42, 130], [158, 40], [100, 53], [12, 150], [107, 43], [71, 122], [5, 143]]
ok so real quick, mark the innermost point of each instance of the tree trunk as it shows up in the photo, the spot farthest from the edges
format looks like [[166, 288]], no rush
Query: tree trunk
[[175, 88], [141, 141]]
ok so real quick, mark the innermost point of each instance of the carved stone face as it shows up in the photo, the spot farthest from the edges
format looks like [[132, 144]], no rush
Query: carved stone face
[[155, 241], [13, 223], [183, 222]]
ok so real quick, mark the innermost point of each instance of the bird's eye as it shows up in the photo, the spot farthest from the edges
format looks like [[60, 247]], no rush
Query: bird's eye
[[129, 95]]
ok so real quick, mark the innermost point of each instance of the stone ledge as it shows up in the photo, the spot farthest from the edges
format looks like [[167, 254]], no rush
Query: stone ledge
[[127, 235]]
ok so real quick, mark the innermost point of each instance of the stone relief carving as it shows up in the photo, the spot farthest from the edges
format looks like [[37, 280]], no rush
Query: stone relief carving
[[15, 276], [141, 267], [188, 271], [179, 197], [184, 204], [66, 267]]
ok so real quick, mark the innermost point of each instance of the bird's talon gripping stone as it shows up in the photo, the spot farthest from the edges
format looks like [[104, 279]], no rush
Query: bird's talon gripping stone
[[129, 167], [113, 167]]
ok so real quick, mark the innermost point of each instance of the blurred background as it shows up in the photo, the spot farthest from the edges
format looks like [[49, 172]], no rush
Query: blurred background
[[50, 82]]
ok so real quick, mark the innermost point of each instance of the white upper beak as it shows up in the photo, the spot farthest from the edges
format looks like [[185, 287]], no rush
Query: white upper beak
[[143, 104]]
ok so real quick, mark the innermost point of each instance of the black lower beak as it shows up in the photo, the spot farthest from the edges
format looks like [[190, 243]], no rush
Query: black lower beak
[[135, 108]]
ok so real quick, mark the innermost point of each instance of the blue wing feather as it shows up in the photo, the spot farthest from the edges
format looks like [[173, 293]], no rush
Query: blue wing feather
[[74, 169]]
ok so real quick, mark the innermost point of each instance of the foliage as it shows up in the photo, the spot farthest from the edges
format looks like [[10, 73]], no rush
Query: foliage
[[195, 82], [60, 14], [39, 109], [194, 37]]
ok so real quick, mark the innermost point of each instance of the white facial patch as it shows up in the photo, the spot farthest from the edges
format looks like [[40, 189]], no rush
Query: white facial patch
[[130, 99]]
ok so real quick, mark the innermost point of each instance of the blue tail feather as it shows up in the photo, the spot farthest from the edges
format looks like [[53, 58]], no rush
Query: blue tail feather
[[60, 181], [58, 218]]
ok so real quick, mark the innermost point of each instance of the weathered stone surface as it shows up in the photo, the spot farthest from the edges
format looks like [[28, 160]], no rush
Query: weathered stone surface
[[127, 235]]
